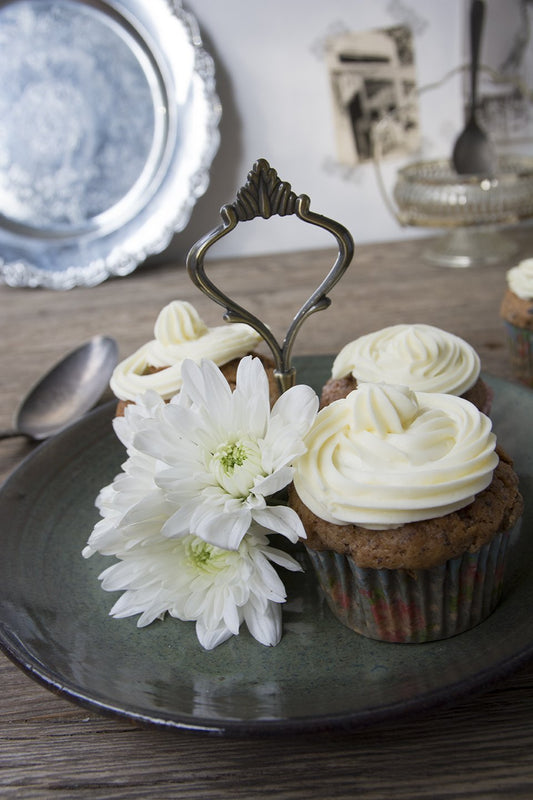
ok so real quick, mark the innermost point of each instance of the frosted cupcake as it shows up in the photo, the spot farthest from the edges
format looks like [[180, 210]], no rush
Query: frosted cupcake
[[408, 509], [517, 313], [425, 358], [180, 333]]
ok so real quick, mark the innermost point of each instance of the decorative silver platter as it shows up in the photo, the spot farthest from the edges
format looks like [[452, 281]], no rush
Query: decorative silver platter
[[108, 126]]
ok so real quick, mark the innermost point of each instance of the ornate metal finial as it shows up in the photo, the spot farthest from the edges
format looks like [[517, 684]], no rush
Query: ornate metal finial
[[265, 195]]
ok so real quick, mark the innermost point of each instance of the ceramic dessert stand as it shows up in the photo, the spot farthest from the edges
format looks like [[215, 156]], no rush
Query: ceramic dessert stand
[[265, 195]]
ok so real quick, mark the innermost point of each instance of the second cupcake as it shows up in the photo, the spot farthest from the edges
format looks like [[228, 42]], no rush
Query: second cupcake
[[425, 358], [408, 509]]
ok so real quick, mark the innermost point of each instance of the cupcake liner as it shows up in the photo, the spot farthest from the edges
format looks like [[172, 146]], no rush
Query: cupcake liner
[[520, 344], [414, 605]]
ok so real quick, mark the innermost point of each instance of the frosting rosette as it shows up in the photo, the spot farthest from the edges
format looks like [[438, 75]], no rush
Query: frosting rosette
[[179, 333], [425, 358], [520, 279], [384, 456]]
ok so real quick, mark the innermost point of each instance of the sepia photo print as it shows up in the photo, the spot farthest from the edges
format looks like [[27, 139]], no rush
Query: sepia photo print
[[373, 83]]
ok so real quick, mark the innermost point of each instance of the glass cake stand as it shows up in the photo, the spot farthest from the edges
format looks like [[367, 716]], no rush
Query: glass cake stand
[[471, 208]]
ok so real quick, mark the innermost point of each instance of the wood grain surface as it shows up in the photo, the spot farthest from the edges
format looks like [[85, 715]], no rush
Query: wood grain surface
[[481, 747]]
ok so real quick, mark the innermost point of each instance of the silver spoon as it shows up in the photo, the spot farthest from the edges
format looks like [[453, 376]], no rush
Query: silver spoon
[[472, 152], [65, 393]]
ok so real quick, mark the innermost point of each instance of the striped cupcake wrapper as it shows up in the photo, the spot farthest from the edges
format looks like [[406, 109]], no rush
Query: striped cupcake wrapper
[[520, 345], [414, 605]]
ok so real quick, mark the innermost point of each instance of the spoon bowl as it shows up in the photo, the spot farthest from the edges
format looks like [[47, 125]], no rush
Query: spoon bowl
[[472, 152], [67, 391]]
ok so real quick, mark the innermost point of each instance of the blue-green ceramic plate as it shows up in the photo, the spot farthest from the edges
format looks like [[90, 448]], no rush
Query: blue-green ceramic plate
[[54, 619]]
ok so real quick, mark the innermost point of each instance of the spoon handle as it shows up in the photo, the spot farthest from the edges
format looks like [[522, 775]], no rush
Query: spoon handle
[[477, 17], [9, 433]]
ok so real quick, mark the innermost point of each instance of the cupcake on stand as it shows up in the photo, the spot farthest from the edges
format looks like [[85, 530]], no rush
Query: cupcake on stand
[[422, 357], [408, 509], [180, 333]]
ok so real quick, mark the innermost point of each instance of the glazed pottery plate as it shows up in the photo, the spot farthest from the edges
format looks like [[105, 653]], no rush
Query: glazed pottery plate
[[55, 617], [108, 126]]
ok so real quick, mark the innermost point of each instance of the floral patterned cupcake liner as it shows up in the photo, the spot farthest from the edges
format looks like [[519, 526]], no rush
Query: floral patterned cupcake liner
[[520, 344], [414, 605]]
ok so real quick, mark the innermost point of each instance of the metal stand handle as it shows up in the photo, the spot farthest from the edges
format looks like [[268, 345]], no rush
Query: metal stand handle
[[265, 195]]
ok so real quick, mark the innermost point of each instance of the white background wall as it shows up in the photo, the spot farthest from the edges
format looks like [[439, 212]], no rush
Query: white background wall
[[273, 84]]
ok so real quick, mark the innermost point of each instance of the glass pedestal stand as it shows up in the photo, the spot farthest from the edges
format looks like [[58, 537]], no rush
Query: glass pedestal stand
[[473, 210], [470, 247]]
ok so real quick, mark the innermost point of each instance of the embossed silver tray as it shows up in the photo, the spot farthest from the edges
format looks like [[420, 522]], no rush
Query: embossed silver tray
[[108, 126]]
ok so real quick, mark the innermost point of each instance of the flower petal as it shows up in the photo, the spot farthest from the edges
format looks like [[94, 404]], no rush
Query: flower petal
[[281, 519], [274, 482], [289, 424], [206, 387], [252, 396], [297, 407], [210, 638], [231, 616], [178, 524], [225, 531], [283, 559], [265, 627]]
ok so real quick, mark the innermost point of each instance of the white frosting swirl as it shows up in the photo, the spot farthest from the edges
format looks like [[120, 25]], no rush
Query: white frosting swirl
[[422, 357], [179, 334], [520, 279], [385, 455]]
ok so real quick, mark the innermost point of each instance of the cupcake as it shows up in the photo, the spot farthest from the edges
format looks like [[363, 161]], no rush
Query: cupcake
[[408, 509], [517, 313], [422, 357], [180, 333]]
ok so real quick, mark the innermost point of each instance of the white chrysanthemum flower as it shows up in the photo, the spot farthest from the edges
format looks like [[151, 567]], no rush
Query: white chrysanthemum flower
[[196, 581], [222, 453], [133, 508], [187, 515]]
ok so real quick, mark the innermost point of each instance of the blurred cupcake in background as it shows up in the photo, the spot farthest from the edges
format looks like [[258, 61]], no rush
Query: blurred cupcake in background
[[517, 314], [423, 357]]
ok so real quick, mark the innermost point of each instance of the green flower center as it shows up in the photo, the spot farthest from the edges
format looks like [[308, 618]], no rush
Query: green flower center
[[235, 464], [231, 455], [200, 554]]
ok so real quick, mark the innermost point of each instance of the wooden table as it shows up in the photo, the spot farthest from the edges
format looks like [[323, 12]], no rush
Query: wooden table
[[481, 747]]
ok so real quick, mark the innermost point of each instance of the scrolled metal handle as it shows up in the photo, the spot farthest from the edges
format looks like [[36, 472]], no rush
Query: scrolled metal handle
[[265, 195]]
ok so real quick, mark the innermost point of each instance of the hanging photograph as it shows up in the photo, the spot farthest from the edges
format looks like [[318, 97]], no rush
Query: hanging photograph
[[373, 83]]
